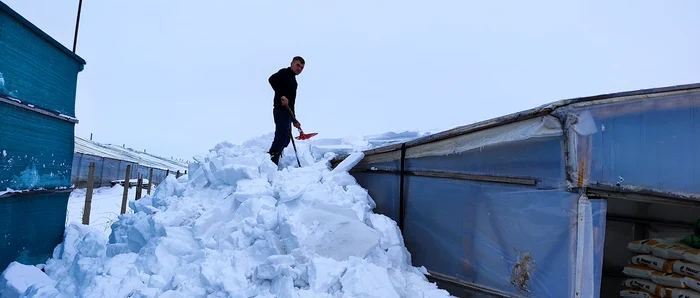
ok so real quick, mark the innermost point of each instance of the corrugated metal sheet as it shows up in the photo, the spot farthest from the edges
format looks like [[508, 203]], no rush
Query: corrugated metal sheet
[[36, 138], [36, 151], [36, 69], [31, 227]]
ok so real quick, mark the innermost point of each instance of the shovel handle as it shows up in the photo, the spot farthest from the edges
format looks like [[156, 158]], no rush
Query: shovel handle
[[291, 113]]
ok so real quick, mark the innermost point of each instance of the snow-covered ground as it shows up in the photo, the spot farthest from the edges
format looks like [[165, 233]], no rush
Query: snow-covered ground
[[235, 226], [104, 209]]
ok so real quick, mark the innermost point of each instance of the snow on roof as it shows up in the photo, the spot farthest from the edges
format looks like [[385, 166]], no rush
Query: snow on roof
[[127, 154]]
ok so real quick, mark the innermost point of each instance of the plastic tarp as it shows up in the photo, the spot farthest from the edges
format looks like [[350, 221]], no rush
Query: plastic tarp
[[520, 240], [648, 142], [385, 189], [32, 227], [36, 69], [527, 242], [35, 152], [107, 170], [529, 148], [127, 154]]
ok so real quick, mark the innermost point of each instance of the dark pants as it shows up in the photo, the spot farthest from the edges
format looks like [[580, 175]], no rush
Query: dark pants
[[283, 130]]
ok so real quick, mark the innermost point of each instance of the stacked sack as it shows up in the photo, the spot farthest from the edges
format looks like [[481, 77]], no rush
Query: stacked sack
[[663, 268]]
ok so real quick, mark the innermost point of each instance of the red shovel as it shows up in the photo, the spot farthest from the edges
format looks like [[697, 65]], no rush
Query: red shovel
[[305, 136], [302, 136]]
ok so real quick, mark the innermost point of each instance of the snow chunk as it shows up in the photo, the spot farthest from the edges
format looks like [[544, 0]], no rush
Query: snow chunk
[[18, 277], [336, 233]]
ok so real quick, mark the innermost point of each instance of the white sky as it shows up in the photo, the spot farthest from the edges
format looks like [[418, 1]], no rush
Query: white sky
[[175, 77]]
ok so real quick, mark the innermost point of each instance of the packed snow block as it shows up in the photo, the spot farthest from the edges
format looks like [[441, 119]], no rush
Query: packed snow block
[[31, 226], [253, 188], [15, 280], [231, 173], [36, 151], [341, 235], [36, 68], [367, 281], [290, 185], [324, 273], [348, 163]]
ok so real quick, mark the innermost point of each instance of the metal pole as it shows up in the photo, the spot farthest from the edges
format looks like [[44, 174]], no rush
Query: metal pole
[[77, 24]]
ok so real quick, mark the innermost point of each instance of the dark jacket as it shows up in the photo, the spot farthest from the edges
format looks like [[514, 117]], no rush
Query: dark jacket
[[284, 82]]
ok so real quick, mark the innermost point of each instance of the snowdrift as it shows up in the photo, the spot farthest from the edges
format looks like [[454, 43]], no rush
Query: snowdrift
[[237, 227]]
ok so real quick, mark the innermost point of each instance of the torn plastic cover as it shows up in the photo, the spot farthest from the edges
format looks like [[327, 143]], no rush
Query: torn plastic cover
[[647, 143], [530, 128], [528, 149]]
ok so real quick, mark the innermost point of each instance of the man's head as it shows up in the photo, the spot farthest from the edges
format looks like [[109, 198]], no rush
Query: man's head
[[297, 64]]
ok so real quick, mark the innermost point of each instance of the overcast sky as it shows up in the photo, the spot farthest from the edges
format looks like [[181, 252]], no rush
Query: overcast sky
[[175, 77]]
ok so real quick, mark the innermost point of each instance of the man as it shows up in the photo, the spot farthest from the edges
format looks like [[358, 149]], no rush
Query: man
[[284, 83]]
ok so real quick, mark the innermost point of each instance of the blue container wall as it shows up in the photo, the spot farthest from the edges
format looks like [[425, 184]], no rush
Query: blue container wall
[[36, 151], [31, 227], [35, 70], [650, 143]]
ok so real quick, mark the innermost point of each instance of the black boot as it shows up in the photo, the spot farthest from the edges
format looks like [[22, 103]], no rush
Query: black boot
[[275, 157]]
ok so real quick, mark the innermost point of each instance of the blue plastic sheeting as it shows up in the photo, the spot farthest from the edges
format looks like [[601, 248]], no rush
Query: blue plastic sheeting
[[649, 143], [531, 148], [36, 151], [108, 169], [486, 233], [540, 159], [32, 226], [599, 212], [384, 189], [36, 69]]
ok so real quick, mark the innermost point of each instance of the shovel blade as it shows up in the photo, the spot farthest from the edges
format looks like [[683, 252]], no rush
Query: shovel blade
[[306, 136]]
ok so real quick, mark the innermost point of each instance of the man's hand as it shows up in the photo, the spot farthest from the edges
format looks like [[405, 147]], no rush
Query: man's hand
[[297, 125], [285, 101]]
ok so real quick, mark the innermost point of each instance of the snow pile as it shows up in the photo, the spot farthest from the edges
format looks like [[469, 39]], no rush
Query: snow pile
[[235, 226], [318, 147]]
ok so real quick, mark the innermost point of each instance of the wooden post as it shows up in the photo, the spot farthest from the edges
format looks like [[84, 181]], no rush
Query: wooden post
[[167, 172], [139, 186], [126, 189], [150, 181], [88, 194], [177, 175]]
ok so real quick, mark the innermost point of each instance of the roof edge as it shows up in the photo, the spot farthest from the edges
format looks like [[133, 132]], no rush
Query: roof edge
[[541, 110], [4, 7]]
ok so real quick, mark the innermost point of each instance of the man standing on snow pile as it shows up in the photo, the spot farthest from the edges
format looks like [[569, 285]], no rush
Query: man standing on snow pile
[[284, 83]]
